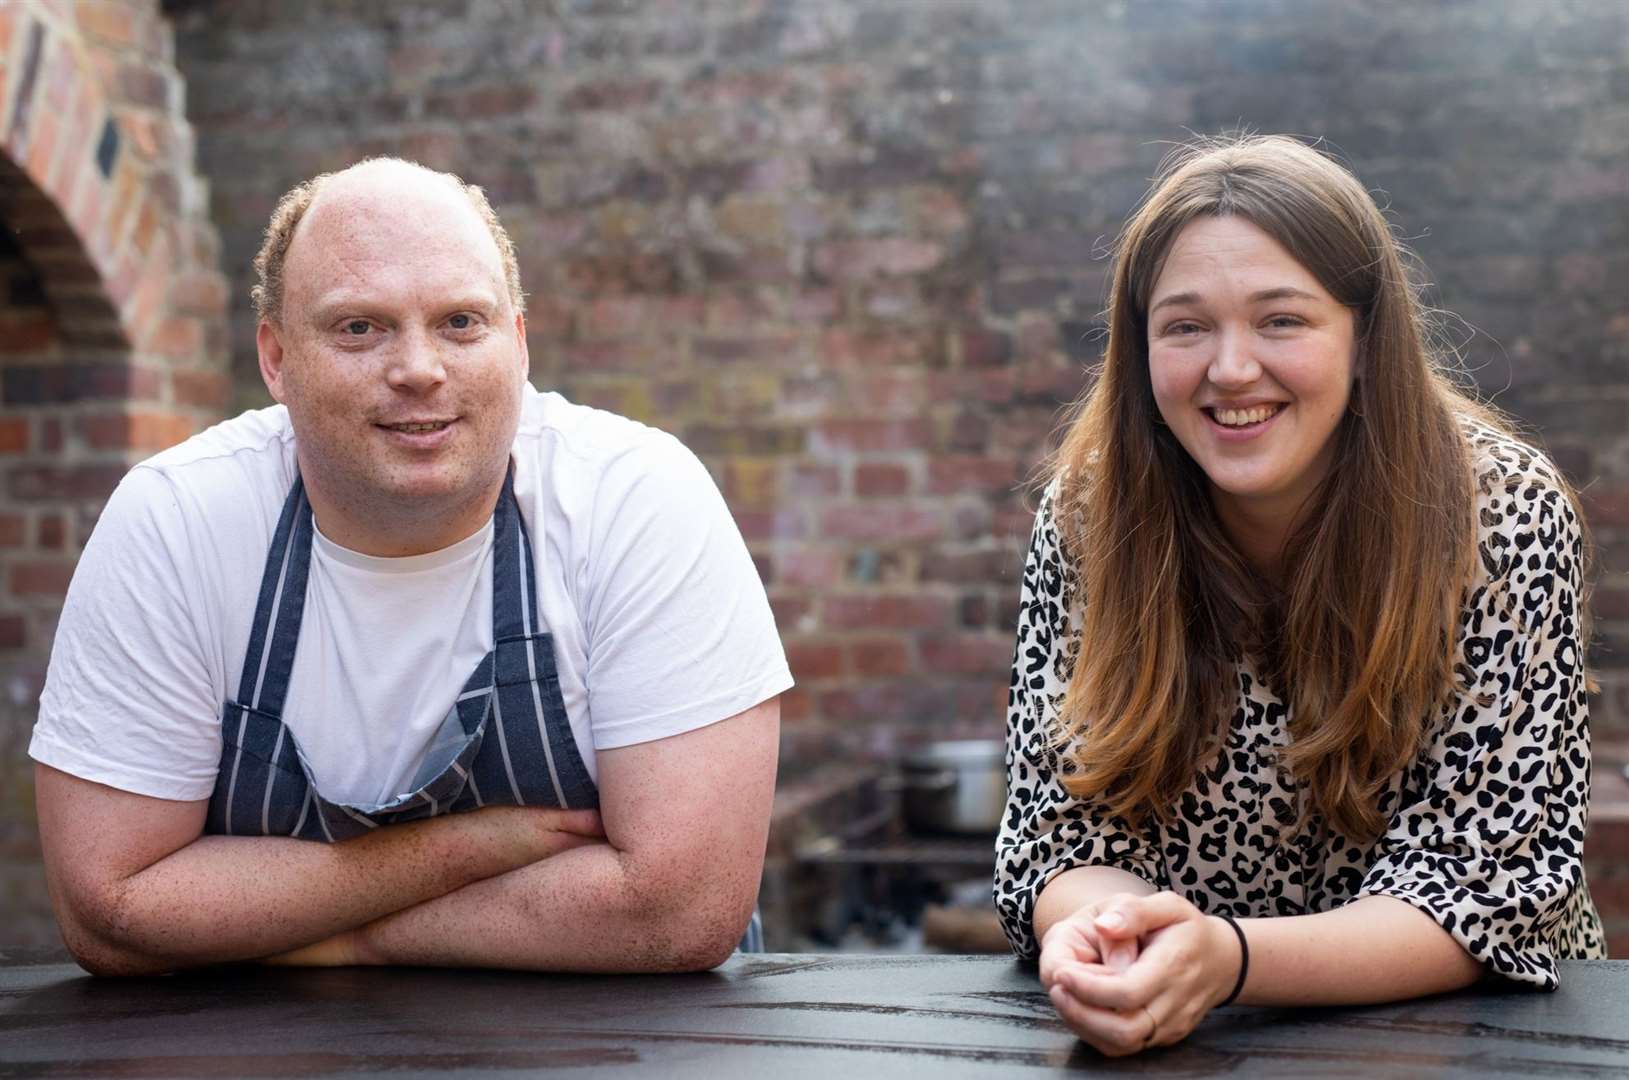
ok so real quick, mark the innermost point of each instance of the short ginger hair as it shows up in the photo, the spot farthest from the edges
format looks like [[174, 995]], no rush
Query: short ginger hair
[[267, 293]]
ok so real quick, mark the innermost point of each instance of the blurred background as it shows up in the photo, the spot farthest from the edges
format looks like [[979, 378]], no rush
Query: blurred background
[[850, 251]]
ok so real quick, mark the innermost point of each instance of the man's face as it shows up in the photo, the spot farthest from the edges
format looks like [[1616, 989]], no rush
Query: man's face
[[398, 353]]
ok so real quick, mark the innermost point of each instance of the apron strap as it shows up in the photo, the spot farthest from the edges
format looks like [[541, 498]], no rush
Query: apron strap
[[269, 659]]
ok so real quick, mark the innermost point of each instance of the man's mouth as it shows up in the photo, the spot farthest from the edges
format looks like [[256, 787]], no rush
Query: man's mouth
[[417, 427], [1255, 414]]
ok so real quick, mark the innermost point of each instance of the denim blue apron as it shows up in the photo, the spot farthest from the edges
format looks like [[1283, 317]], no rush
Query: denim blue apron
[[506, 740]]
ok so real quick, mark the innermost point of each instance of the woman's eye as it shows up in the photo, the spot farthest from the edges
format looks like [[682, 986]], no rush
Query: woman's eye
[[1282, 322], [1182, 328]]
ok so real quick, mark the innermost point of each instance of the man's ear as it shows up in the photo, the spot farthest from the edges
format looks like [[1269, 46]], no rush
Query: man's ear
[[270, 347], [520, 338]]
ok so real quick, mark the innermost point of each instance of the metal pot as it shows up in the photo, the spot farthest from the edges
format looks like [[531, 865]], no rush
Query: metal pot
[[955, 786]]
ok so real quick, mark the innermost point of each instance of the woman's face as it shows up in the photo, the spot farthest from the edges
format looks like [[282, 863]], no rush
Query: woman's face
[[1251, 362]]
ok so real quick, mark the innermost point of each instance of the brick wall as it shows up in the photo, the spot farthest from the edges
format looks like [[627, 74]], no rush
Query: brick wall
[[112, 332], [851, 250]]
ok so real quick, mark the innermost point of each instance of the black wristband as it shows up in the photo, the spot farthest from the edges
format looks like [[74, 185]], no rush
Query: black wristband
[[1244, 958]]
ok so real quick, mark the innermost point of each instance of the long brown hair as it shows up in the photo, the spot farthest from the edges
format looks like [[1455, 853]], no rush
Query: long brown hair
[[1358, 634]]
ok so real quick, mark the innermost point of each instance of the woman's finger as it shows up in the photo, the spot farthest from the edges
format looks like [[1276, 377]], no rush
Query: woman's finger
[[1136, 916], [1111, 1033]]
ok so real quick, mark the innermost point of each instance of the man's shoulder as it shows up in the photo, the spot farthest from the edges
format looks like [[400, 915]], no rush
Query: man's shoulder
[[552, 425], [243, 465]]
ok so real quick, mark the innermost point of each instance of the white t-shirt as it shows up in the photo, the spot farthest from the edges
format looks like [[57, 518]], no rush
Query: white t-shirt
[[660, 623]]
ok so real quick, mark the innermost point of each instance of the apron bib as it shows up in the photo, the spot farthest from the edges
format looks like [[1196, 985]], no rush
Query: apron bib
[[506, 739]]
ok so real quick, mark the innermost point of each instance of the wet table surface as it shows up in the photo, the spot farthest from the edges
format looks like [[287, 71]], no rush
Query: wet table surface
[[775, 1016]]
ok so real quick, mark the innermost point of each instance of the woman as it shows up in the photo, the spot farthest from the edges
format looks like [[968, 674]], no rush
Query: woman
[[1298, 708]]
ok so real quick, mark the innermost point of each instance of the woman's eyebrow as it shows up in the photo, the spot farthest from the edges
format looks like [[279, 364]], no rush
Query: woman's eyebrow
[[1283, 292], [1176, 298]]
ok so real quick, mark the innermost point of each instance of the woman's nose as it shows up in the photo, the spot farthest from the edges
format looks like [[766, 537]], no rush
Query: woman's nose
[[1234, 363]]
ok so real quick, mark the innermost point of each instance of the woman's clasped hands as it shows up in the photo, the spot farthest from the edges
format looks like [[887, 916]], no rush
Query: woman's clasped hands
[[1129, 972]]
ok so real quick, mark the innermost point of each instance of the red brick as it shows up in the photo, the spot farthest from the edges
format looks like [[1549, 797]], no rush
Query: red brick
[[876, 656], [890, 256], [892, 393], [1611, 603], [26, 331], [983, 347], [843, 347], [51, 435], [201, 389], [1606, 505], [965, 654], [13, 530], [483, 102], [874, 480], [900, 525], [790, 611], [808, 568], [617, 94], [807, 481], [13, 632], [13, 435], [40, 578], [134, 431], [52, 532], [960, 474], [892, 611], [872, 435], [177, 338], [41, 483], [815, 660], [770, 524], [796, 706], [113, 22]]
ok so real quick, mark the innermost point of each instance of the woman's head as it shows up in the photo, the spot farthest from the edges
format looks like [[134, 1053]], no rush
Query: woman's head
[[1259, 299], [1269, 468]]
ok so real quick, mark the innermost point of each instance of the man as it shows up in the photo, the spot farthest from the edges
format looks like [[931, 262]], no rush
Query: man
[[419, 667]]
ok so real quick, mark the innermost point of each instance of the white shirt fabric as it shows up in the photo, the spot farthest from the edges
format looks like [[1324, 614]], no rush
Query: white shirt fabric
[[660, 623]]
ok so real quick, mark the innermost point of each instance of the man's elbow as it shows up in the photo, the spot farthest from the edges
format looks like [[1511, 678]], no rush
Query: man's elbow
[[708, 943], [90, 933]]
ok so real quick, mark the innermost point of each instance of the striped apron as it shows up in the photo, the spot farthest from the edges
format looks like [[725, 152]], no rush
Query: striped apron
[[506, 740]]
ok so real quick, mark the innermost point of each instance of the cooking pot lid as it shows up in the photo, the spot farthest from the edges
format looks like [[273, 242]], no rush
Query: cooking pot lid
[[952, 753]]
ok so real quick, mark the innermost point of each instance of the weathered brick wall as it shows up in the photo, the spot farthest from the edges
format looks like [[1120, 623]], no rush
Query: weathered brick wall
[[851, 250], [112, 332]]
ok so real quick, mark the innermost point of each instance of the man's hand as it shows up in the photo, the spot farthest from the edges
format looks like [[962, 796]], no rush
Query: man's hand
[[1185, 964]]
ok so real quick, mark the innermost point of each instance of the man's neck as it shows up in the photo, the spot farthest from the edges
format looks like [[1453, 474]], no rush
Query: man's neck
[[394, 528]]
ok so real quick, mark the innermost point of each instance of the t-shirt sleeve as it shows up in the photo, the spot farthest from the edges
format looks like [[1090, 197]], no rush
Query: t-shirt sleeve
[[680, 634], [1489, 838], [1045, 830], [128, 699]]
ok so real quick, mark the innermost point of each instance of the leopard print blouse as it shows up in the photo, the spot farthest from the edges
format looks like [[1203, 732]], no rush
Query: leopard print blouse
[[1485, 829]]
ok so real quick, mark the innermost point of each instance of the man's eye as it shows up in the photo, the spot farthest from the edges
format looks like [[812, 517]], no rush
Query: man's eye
[[460, 322], [357, 327]]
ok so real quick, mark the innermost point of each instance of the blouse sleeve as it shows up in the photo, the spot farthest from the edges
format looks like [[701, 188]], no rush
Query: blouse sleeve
[[1488, 836], [1045, 830]]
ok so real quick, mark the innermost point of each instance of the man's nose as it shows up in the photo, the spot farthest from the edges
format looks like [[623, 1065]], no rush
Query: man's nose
[[416, 362], [1234, 363]]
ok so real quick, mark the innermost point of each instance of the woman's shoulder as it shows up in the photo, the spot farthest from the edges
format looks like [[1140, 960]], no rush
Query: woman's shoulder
[[1503, 462], [1524, 506]]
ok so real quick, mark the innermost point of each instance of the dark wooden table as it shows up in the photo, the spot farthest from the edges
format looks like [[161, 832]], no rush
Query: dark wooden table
[[774, 1016]]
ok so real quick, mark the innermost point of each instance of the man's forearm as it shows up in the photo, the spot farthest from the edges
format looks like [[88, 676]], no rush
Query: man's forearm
[[227, 898], [593, 909]]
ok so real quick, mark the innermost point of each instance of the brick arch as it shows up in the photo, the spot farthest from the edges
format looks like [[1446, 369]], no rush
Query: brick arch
[[112, 310]]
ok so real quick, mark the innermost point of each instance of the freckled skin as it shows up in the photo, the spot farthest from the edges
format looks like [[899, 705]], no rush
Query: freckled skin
[[395, 309], [1226, 346]]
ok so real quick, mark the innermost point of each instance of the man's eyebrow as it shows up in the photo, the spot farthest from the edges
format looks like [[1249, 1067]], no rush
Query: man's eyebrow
[[332, 307]]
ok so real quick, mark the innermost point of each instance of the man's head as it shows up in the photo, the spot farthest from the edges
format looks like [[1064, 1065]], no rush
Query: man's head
[[391, 329], [267, 292]]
